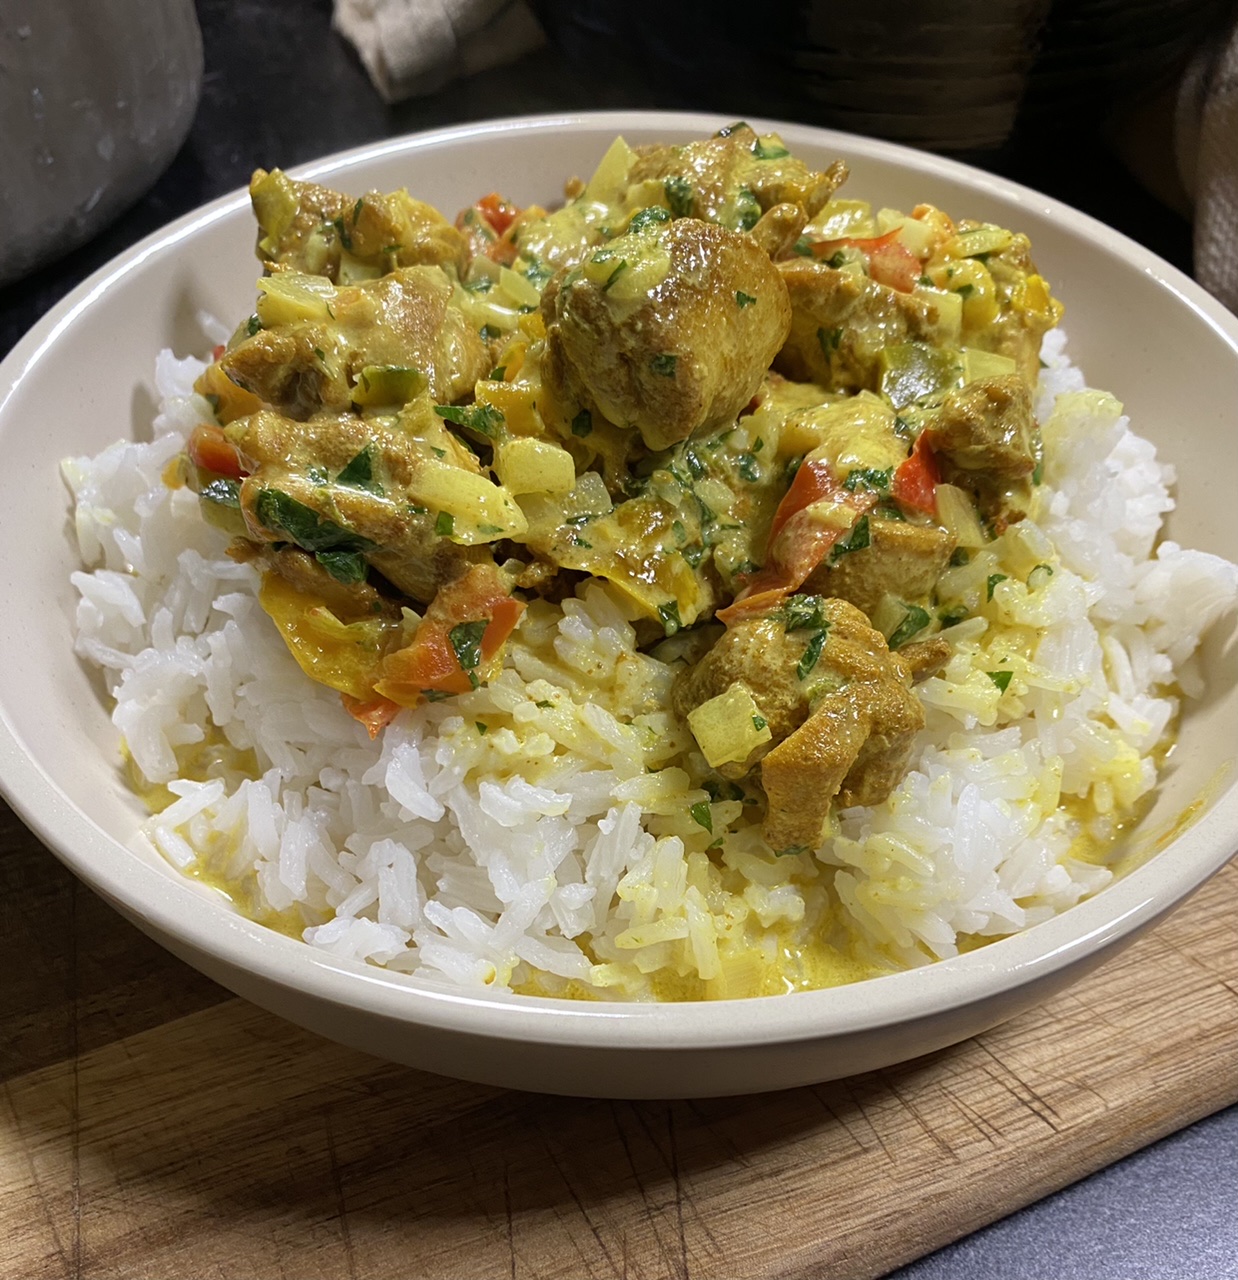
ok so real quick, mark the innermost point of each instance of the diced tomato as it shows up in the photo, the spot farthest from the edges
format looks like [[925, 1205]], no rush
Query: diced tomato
[[498, 212], [797, 541], [211, 450], [917, 477], [431, 663], [890, 262], [375, 713]]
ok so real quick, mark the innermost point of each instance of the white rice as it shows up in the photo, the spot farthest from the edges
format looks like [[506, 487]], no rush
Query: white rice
[[537, 833]]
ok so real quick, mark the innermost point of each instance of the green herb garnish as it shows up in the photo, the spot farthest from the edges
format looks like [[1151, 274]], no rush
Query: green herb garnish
[[582, 423], [465, 640], [914, 621], [868, 478], [669, 613], [444, 524], [1000, 678], [223, 492], [653, 216], [344, 566], [743, 299], [702, 815], [664, 365], [303, 525], [812, 654], [857, 539], [994, 579], [679, 196], [359, 473], [485, 419]]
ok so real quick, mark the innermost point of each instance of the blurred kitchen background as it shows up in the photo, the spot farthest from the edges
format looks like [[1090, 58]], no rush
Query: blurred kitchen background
[[106, 134]]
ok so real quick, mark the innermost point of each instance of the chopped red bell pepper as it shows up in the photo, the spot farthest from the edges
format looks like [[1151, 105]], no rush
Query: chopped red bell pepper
[[432, 661], [797, 542], [211, 450], [917, 477], [890, 262], [375, 713]]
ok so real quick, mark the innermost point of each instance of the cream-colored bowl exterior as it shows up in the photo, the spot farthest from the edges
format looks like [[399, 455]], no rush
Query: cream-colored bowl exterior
[[83, 376]]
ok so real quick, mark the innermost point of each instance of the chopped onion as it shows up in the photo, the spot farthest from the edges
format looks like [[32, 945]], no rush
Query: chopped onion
[[958, 515]]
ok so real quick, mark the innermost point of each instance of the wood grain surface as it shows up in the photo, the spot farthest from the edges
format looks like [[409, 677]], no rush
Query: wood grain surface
[[155, 1126]]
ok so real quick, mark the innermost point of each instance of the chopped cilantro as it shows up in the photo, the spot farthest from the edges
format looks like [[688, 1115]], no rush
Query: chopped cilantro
[[485, 419], [303, 525], [773, 151], [679, 196], [748, 211], [829, 340], [483, 284], [444, 524], [582, 423], [545, 706], [223, 492], [812, 654], [669, 613], [760, 723], [482, 727], [856, 540], [693, 555], [791, 851], [960, 555], [801, 613], [803, 246], [914, 621], [702, 815], [743, 299], [653, 216], [435, 695], [615, 274], [490, 332], [746, 464], [868, 478], [1000, 678], [994, 579], [465, 640], [664, 364], [356, 210], [965, 290], [733, 127], [342, 232], [252, 325], [359, 473], [344, 566], [836, 259]]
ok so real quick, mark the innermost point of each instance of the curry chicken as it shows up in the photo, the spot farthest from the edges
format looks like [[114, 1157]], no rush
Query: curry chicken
[[769, 417]]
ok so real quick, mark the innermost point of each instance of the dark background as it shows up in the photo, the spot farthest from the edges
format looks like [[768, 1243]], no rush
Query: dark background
[[280, 88]]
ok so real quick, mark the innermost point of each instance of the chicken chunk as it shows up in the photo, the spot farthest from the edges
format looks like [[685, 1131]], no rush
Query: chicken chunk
[[735, 176], [841, 321], [667, 330], [313, 346], [987, 442], [305, 227], [838, 705], [347, 488], [901, 559]]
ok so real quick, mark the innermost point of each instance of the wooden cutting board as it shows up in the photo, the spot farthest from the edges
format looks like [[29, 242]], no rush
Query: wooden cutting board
[[154, 1125]]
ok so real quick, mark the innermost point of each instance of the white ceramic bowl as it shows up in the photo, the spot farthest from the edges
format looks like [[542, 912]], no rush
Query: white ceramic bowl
[[83, 377]]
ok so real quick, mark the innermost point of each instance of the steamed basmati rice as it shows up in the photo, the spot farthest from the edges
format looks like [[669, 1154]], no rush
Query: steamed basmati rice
[[552, 832]]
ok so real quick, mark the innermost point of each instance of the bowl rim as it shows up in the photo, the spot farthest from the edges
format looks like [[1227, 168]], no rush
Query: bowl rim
[[172, 906]]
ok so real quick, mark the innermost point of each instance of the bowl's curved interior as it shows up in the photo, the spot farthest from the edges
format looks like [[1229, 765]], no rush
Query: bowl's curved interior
[[84, 376]]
